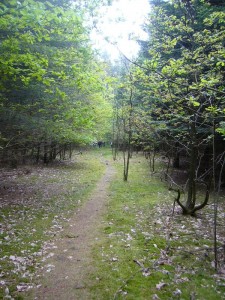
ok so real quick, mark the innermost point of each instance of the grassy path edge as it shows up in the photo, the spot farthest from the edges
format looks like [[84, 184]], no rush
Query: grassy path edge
[[145, 252]]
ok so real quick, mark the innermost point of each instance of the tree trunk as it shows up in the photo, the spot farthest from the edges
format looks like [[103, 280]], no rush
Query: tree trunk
[[152, 160], [129, 150], [176, 160], [38, 153], [126, 163], [71, 151], [191, 198], [45, 158]]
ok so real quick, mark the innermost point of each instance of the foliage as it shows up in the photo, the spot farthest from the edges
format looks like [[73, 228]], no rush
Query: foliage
[[53, 90], [180, 78]]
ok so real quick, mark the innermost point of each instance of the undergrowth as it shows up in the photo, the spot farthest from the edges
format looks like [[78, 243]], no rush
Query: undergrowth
[[149, 252]]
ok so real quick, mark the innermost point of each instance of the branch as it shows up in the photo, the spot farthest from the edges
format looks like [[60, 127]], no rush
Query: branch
[[162, 75], [205, 202], [178, 200]]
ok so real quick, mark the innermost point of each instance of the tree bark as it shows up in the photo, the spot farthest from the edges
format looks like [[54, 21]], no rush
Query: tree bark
[[191, 198]]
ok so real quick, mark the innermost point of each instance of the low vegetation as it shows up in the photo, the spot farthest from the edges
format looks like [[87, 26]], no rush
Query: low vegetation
[[36, 203], [149, 251]]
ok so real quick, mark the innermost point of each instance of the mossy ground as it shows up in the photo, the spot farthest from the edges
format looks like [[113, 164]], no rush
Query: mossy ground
[[144, 252], [39, 205], [149, 253]]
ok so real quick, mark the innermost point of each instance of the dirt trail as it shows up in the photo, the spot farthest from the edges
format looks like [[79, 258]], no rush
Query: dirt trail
[[72, 259]]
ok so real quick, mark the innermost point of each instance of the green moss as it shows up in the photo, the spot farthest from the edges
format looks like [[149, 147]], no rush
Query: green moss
[[135, 256], [28, 226]]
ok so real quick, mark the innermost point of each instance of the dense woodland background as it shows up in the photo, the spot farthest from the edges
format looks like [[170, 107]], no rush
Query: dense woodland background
[[57, 93], [54, 91]]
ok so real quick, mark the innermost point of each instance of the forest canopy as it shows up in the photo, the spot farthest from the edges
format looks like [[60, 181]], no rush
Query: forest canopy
[[171, 100], [53, 88], [56, 93]]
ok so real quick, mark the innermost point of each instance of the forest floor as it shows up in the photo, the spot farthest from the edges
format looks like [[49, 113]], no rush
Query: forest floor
[[72, 259], [75, 230]]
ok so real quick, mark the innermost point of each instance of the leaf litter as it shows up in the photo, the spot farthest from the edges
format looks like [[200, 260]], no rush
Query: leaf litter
[[177, 246], [35, 203], [183, 236]]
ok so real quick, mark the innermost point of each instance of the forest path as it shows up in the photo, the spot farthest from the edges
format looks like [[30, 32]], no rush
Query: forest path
[[72, 258]]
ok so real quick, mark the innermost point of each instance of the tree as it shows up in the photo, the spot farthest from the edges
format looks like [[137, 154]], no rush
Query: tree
[[183, 78], [52, 86]]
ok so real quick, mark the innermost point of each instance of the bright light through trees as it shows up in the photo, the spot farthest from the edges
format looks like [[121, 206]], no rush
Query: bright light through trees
[[117, 27]]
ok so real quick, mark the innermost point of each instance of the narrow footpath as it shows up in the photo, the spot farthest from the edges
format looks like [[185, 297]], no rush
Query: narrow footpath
[[72, 258]]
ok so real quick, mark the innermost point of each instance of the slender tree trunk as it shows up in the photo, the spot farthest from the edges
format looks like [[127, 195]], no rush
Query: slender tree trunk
[[152, 160], [129, 150], [71, 150], [64, 151], [167, 167], [115, 141], [38, 153], [126, 157], [116, 133], [54, 152], [176, 159], [24, 153], [191, 198], [126, 163], [45, 159]]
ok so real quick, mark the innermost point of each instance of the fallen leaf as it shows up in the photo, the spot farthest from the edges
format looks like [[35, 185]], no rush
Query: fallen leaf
[[146, 273], [177, 292], [114, 259], [160, 285]]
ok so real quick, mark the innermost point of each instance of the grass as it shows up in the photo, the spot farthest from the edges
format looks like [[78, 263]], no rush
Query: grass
[[145, 253], [49, 196]]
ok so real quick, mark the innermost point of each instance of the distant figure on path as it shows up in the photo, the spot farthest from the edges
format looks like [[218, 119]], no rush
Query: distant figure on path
[[100, 144]]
